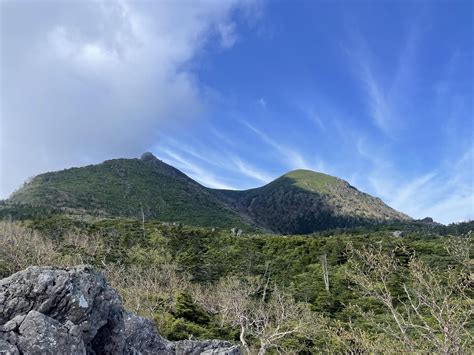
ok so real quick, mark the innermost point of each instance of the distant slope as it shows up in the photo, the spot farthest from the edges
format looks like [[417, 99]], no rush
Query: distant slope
[[299, 202], [304, 201], [123, 187]]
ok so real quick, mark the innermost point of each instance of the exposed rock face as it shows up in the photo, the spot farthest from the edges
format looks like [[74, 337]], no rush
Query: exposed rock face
[[47, 310], [37, 333], [429, 221], [147, 156], [142, 337], [66, 305], [398, 234]]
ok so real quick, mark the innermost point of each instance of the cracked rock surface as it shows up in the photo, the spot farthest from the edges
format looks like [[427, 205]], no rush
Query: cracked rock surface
[[46, 310]]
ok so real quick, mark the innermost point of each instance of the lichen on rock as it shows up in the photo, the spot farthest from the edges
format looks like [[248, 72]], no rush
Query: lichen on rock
[[46, 310]]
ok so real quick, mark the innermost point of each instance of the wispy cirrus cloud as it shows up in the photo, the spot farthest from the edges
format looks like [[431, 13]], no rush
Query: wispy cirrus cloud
[[443, 191], [387, 97], [446, 193], [204, 162], [251, 171], [314, 112], [202, 175], [293, 159]]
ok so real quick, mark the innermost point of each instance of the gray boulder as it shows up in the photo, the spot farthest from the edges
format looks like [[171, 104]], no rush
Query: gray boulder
[[236, 232], [46, 310], [398, 234], [40, 334], [206, 347], [142, 338], [78, 297], [8, 349]]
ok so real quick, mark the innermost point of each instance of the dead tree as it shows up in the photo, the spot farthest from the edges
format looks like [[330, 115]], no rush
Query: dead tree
[[324, 264]]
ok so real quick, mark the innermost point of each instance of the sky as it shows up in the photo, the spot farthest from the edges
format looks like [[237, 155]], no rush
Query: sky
[[236, 93]]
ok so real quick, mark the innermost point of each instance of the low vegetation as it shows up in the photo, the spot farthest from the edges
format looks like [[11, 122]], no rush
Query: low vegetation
[[299, 202], [348, 291], [123, 188]]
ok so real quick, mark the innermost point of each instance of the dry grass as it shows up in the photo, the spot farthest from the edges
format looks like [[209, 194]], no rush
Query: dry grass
[[21, 247], [144, 289]]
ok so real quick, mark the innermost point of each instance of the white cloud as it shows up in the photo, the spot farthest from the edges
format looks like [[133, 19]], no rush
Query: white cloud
[[197, 159], [228, 34], [388, 99], [86, 81], [201, 175], [407, 196], [294, 160], [252, 172], [447, 194], [315, 117], [381, 110]]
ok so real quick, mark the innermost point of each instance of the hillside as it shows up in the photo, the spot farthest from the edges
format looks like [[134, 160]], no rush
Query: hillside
[[125, 187], [299, 202], [303, 201]]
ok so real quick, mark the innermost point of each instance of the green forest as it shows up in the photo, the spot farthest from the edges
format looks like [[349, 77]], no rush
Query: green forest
[[345, 290]]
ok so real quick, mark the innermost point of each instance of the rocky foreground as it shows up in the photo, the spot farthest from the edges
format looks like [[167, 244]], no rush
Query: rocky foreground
[[45, 310]]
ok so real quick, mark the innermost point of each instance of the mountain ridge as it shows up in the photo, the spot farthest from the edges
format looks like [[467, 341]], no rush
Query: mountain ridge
[[298, 202], [301, 199]]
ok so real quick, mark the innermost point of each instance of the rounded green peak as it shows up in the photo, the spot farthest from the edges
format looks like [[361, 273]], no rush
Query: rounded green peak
[[308, 174], [309, 179]]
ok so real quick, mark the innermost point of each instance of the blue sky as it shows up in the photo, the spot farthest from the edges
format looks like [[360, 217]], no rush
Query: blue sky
[[235, 94]]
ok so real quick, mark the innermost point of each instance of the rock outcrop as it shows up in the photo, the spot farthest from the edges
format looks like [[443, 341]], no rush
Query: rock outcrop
[[142, 337], [429, 222], [46, 310]]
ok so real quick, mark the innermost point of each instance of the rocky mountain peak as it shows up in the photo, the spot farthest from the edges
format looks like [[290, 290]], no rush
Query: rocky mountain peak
[[147, 156]]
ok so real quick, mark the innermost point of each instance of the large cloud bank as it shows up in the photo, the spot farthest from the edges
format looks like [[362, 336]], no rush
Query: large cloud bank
[[86, 81]]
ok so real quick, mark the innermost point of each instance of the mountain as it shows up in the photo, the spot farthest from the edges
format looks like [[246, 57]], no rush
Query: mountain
[[299, 202], [303, 201], [125, 188]]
